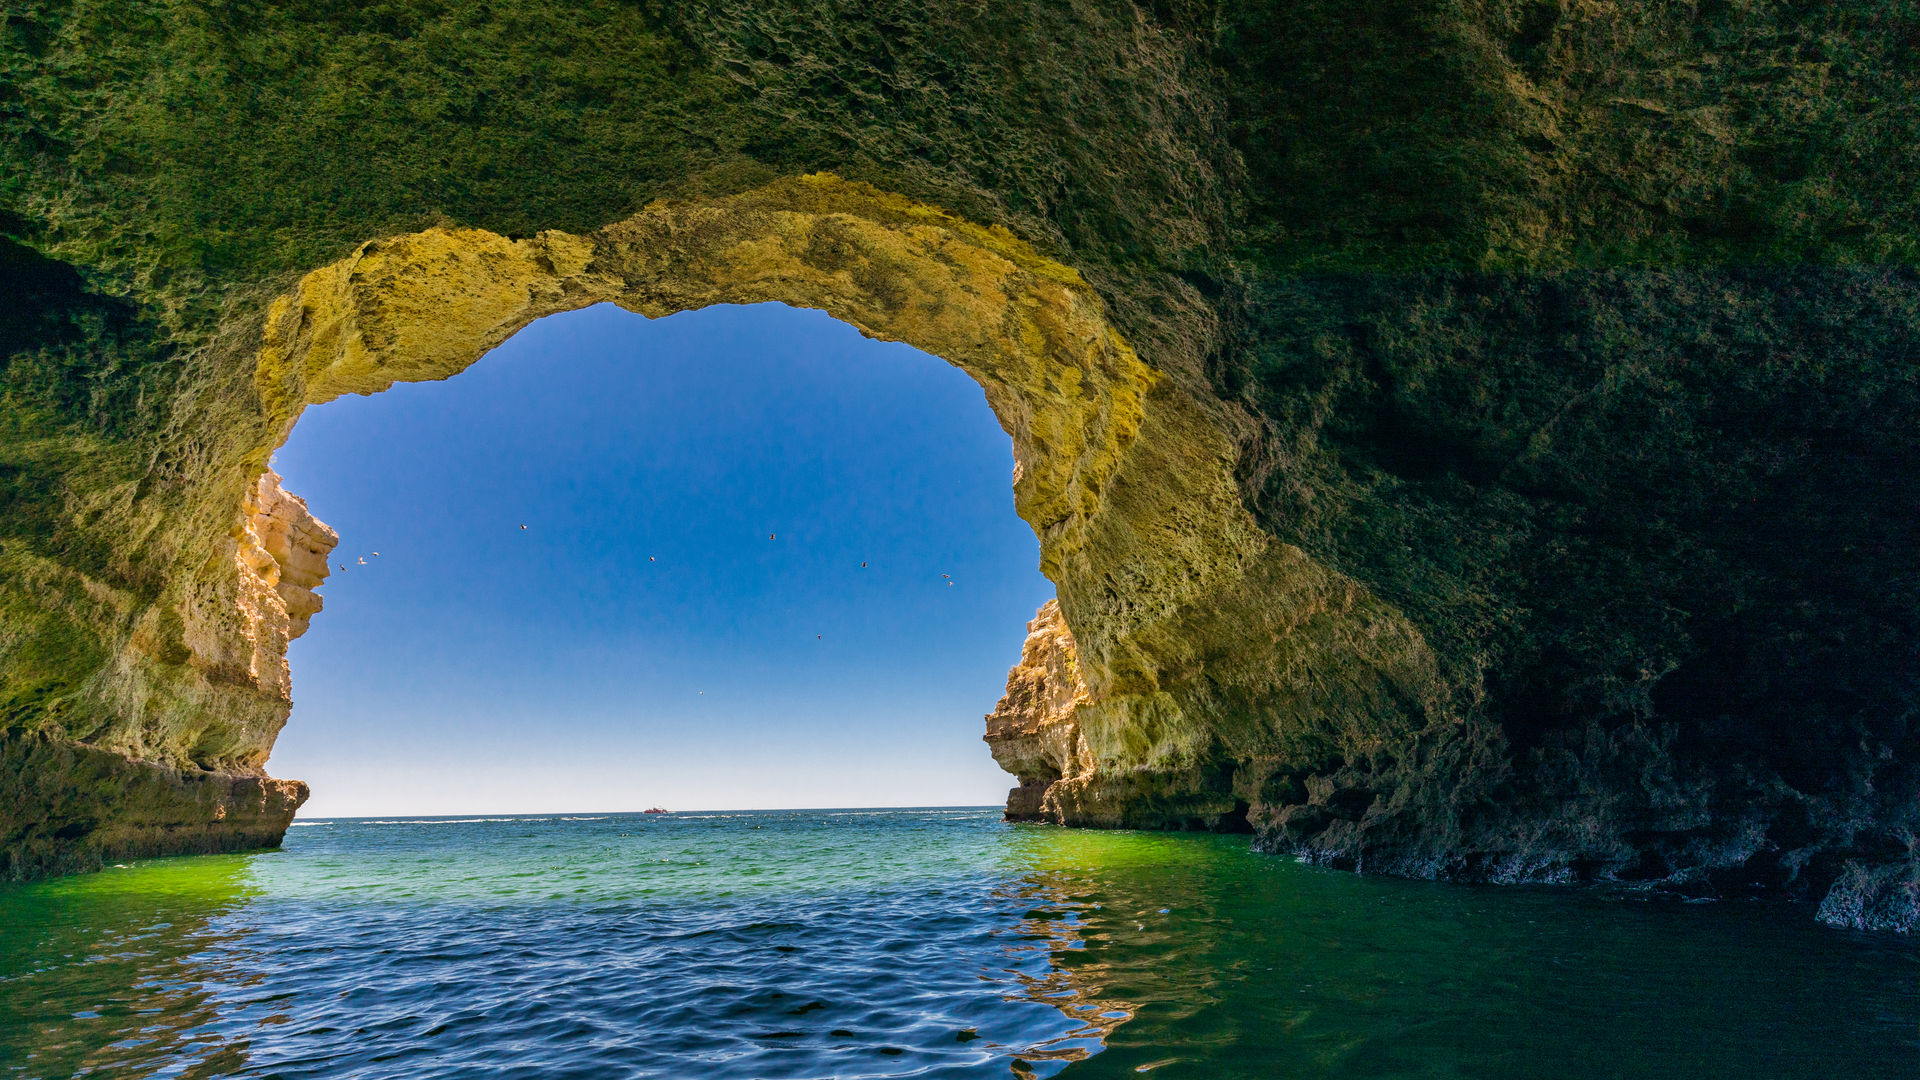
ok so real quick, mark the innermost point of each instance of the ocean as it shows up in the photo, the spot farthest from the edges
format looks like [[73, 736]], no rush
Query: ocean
[[883, 943]]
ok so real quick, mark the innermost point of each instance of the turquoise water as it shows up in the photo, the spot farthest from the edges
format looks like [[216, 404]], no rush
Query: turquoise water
[[903, 943]]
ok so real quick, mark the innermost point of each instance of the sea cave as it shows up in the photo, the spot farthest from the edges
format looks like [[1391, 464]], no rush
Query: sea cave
[[1468, 442]]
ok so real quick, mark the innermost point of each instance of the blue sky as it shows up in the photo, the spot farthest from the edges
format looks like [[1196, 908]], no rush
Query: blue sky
[[476, 666]]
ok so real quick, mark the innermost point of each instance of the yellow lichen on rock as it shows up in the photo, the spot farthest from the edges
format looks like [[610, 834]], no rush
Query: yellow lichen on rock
[[1064, 384], [406, 309], [1184, 641], [1175, 609]]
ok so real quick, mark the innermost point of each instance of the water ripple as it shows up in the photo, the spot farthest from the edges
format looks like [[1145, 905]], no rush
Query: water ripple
[[900, 943]]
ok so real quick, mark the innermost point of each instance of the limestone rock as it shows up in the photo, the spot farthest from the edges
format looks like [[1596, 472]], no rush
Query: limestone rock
[[67, 807], [295, 545], [1468, 441], [1884, 897], [1032, 731]]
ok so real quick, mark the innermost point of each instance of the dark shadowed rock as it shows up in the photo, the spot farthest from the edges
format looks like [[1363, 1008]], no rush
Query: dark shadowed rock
[[1469, 441]]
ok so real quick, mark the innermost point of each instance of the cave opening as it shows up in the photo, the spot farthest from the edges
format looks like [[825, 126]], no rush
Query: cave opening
[[1124, 479], [735, 557]]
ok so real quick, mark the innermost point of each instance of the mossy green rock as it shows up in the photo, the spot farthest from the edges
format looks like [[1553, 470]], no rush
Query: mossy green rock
[[1560, 362]]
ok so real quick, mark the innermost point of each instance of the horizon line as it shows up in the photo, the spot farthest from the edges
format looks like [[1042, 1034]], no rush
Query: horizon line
[[507, 814]]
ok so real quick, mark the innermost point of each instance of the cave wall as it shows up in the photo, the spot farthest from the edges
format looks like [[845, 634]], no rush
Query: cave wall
[[1127, 484], [1561, 355]]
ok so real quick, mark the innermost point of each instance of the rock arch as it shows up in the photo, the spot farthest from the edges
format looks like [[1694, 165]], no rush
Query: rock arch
[[1126, 484], [1160, 569], [1535, 342]]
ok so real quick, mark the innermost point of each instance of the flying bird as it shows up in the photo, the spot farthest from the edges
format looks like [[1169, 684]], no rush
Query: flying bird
[[649, 558], [769, 536], [363, 560], [523, 526], [863, 566]]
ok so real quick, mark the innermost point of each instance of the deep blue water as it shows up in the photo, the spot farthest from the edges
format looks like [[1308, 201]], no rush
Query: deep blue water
[[903, 943]]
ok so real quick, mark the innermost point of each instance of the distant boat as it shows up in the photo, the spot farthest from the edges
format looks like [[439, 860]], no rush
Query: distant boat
[[655, 810]]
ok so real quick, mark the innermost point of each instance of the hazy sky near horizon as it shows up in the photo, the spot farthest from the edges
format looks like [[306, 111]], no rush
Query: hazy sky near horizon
[[644, 641]]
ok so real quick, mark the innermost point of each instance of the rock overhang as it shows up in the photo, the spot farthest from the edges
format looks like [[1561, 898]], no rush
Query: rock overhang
[[1562, 364]]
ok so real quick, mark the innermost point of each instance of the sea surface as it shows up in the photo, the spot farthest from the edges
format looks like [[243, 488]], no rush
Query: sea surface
[[932, 943]]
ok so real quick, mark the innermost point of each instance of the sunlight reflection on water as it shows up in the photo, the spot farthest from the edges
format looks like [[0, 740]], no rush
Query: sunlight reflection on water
[[815, 944]]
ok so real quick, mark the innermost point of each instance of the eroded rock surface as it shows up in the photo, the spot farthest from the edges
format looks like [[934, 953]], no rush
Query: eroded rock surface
[[1032, 731], [188, 777], [69, 807], [286, 547], [1469, 441]]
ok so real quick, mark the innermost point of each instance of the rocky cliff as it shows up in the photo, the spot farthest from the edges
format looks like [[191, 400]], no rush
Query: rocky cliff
[[1032, 731], [1469, 439], [187, 777]]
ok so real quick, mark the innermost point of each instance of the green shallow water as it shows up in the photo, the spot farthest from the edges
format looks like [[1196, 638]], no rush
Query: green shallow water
[[904, 943]]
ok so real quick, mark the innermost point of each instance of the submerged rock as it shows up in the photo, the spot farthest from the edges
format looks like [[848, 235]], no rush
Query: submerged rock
[[1884, 897]]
